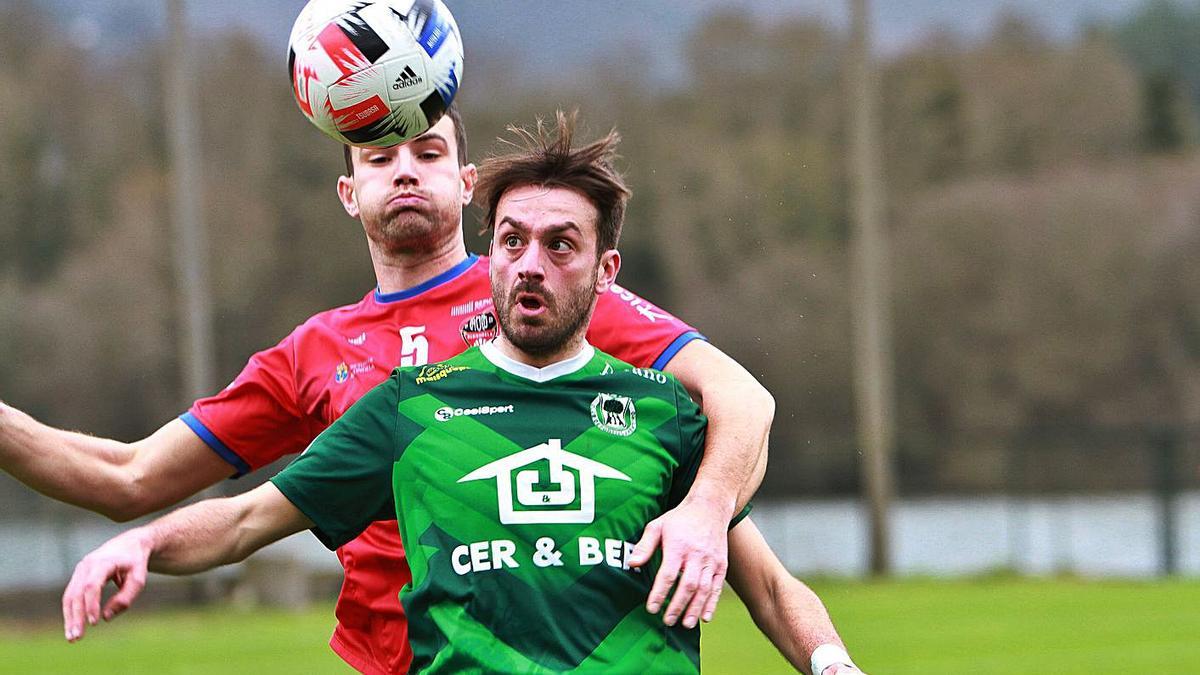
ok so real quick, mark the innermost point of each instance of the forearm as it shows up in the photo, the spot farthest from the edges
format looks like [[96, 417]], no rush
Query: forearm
[[739, 411], [218, 532], [735, 450], [796, 622], [785, 609], [119, 480], [71, 467], [192, 539]]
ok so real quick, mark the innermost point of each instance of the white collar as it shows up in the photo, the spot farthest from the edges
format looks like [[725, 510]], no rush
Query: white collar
[[565, 367]]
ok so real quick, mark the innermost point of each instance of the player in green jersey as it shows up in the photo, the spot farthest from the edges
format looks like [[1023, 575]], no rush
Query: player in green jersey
[[521, 472]]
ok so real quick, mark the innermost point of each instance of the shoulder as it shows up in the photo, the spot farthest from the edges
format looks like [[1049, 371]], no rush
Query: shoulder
[[619, 299], [314, 346], [470, 361], [344, 316], [647, 381]]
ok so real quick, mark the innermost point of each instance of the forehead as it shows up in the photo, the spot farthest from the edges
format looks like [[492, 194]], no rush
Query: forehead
[[444, 128], [540, 207]]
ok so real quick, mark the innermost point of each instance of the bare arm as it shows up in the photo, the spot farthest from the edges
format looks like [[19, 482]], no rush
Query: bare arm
[[192, 539], [740, 412], [783, 607], [119, 480], [693, 535]]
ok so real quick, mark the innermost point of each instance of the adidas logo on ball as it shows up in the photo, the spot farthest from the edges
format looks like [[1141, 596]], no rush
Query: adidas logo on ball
[[407, 78]]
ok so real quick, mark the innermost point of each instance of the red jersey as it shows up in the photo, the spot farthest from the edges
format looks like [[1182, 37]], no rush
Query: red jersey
[[288, 394]]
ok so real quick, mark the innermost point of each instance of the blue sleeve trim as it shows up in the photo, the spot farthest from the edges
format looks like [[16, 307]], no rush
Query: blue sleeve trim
[[673, 349], [215, 443]]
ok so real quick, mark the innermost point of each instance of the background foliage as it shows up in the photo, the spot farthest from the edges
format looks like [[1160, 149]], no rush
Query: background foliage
[[1042, 200]]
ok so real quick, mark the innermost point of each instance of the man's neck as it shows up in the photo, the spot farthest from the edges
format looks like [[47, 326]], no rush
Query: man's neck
[[400, 271], [539, 372], [569, 349]]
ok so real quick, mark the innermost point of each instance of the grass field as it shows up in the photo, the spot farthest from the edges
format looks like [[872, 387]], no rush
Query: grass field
[[893, 628]]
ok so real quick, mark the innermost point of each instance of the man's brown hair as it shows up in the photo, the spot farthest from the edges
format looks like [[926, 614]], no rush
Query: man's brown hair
[[460, 139], [544, 157]]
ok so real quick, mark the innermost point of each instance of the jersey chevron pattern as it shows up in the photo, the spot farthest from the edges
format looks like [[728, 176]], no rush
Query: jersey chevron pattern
[[518, 503]]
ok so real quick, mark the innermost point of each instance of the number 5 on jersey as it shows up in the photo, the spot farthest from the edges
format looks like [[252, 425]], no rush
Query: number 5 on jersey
[[414, 348]]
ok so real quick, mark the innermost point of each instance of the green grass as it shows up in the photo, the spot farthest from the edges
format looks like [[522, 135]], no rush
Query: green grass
[[893, 628]]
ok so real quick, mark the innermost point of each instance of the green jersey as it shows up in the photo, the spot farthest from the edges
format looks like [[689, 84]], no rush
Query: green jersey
[[519, 494]]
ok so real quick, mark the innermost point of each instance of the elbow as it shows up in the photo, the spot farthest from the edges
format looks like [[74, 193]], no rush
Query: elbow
[[121, 513], [128, 498], [741, 392], [766, 403], [124, 510], [756, 397], [752, 395]]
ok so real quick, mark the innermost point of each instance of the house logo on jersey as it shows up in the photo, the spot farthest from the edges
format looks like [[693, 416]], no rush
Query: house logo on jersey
[[614, 414], [479, 329], [545, 484], [341, 373]]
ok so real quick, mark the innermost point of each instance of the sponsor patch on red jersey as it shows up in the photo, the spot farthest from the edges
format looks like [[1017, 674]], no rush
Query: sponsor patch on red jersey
[[479, 329]]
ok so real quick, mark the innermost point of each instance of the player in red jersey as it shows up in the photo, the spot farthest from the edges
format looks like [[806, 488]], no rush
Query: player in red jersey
[[430, 303]]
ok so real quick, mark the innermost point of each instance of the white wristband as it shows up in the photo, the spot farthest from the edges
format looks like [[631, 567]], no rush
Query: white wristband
[[828, 654]]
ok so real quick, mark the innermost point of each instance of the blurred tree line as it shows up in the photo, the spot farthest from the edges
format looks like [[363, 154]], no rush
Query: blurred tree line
[[1043, 200]]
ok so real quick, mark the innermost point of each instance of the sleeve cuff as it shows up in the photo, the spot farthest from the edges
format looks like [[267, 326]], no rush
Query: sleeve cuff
[[240, 466], [741, 515], [673, 349]]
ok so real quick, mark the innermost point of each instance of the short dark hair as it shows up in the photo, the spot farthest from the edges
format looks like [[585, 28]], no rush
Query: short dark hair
[[460, 139], [539, 157]]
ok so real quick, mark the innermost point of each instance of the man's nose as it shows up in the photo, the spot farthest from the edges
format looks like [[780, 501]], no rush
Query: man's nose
[[529, 265], [404, 169]]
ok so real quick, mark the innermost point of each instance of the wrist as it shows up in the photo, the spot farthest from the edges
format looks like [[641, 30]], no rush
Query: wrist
[[714, 495], [145, 539], [827, 655]]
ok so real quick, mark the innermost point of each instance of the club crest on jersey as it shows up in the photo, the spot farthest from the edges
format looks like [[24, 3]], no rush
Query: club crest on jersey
[[545, 484], [614, 414], [341, 373], [479, 329]]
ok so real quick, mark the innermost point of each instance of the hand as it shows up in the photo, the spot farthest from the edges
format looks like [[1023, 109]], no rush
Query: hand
[[695, 539], [123, 559]]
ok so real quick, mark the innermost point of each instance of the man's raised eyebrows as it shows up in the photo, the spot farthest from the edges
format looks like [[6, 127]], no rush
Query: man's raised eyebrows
[[557, 227]]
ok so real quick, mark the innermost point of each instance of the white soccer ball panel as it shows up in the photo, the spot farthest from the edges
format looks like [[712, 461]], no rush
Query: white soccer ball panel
[[358, 87]]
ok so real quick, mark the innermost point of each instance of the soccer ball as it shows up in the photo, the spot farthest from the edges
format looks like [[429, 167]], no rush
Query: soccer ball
[[375, 72]]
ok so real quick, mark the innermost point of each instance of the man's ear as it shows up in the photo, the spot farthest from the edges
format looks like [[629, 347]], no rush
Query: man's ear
[[345, 190], [468, 175], [610, 264]]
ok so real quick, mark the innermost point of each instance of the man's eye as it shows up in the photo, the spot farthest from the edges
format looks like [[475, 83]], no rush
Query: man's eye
[[430, 155], [559, 245], [512, 241]]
